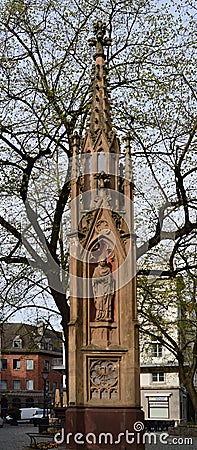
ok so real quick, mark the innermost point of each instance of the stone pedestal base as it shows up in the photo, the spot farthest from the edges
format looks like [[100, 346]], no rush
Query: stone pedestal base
[[60, 413], [104, 428]]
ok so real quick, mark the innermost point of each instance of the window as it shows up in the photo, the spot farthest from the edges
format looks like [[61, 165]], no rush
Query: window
[[47, 365], [54, 385], [17, 342], [29, 364], [156, 349], [3, 364], [16, 364], [3, 385], [30, 385], [158, 407], [158, 377], [16, 385], [46, 346]]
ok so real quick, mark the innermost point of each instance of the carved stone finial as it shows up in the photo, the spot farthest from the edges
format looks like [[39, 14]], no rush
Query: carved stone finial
[[99, 29], [128, 144], [75, 143], [100, 117]]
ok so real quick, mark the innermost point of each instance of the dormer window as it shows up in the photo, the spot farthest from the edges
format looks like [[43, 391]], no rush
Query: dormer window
[[46, 346], [17, 342]]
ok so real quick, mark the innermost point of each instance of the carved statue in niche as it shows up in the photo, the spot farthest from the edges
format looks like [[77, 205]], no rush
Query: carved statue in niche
[[103, 290]]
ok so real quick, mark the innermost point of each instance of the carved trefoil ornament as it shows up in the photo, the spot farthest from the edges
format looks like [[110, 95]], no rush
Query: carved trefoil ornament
[[104, 379]]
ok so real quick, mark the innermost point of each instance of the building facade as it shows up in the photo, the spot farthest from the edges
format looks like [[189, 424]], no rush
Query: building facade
[[26, 352], [162, 396]]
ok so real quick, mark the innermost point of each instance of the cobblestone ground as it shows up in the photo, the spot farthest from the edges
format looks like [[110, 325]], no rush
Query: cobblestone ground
[[14, 437]]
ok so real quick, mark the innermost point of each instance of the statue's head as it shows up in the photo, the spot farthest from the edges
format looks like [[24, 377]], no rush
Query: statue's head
[[102, 260]]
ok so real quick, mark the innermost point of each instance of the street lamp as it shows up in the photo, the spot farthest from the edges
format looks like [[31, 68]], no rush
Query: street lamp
[[45, 375]]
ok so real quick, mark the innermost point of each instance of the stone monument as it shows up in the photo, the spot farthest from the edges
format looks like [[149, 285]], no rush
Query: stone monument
[[103, 384]]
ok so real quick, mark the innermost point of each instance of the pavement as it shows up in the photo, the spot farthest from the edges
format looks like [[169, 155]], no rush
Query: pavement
[[14, 437]]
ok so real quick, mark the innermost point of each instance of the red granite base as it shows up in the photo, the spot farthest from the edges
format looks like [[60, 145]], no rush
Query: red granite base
[[103, 428]]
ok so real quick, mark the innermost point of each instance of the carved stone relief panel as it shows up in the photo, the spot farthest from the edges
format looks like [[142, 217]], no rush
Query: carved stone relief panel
[[103, 379], [99, 335], [103, 333]]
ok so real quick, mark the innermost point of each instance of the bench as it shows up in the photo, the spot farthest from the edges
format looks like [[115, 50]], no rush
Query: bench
[[35, 438], [158, 425]]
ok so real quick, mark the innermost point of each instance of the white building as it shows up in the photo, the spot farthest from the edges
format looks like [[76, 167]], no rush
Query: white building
[[162, 396]]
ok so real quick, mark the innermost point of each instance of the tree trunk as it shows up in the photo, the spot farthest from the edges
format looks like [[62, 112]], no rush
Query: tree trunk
[[61, 302], [193, 396]]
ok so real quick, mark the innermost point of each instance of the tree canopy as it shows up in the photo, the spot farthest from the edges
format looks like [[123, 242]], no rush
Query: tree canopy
[[45, 91]]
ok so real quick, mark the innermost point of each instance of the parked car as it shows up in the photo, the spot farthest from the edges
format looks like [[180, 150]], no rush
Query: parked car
[[8, 419], [1, 422], [27, 413], [37, 416], [23, 415]]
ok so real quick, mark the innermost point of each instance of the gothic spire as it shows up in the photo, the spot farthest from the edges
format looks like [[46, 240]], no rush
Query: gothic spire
[[100, 117]]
